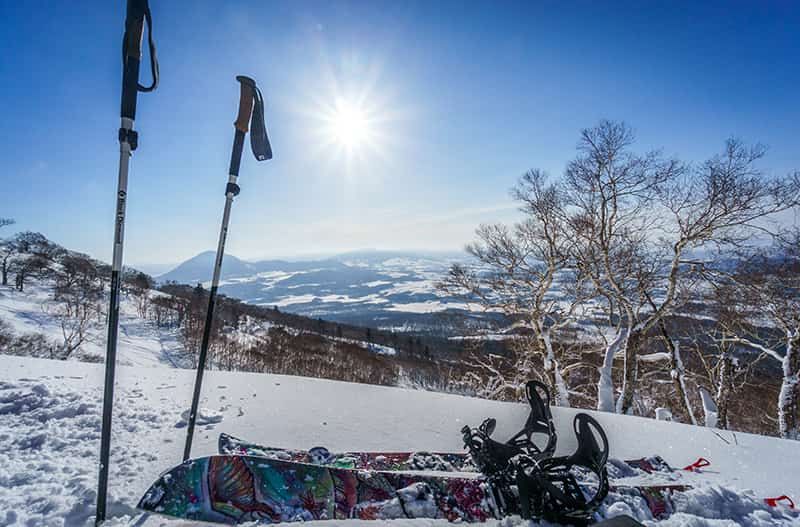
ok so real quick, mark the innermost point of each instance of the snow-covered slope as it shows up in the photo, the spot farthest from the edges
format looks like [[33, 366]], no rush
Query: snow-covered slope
[[50, 422], [141, 342]]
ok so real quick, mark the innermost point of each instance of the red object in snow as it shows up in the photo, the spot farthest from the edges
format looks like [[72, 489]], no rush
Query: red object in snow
[[773, 502], [700, 463]]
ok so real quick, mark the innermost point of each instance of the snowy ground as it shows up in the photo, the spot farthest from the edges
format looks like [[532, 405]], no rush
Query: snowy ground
[[141, 342], [50, 421]]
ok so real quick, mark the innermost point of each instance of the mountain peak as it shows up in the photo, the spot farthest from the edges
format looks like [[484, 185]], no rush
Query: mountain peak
[[200, 267]]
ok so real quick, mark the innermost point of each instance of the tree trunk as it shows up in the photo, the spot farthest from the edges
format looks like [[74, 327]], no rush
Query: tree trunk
[[789, 396], [678, 374], [631, 374], [724, 390], [710, 409], [553, 371], [605, 385]]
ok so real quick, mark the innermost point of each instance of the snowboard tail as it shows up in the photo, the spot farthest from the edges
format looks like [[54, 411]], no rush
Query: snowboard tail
[[237, 489]]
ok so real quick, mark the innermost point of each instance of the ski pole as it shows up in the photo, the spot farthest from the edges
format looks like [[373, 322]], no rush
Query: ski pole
[[251, 107], [138, 13]]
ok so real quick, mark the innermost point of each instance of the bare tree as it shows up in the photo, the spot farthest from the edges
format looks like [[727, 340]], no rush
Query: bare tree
[[139, 285], [637, 219], [77, 294], [33, 256], [74, 324], [723, 368], [769, 284], [7, 251], [26, 266], [523, 271]]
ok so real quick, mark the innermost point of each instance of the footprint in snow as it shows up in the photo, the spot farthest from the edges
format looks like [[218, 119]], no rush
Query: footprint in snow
[[205, 416]]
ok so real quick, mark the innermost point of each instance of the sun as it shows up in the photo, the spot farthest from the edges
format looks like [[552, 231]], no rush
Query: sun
[[350, 126]]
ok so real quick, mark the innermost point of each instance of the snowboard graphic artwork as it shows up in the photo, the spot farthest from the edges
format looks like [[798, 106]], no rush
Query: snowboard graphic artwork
[[657, 496], [237, 489]]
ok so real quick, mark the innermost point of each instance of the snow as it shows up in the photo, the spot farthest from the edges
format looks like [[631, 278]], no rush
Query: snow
[[485, 336], [141, 342], [369, 346], [663, 414], [50, 428], [205, 416], [429, 306]]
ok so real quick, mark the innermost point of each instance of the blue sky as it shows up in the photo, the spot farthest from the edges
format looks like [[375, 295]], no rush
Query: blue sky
[[460, 99]]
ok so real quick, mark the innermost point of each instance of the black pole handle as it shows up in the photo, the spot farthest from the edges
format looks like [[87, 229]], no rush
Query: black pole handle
[[134, 29], [138, 13]]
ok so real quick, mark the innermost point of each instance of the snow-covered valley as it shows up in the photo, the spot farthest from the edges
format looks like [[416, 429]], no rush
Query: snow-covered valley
[[388, 289], [50, 430]]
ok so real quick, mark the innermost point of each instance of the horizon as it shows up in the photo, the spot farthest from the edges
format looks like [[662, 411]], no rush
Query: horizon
[[394, 126], [300, 257]]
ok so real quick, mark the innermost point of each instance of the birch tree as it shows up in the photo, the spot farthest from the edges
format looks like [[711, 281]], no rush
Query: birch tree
[[770, 284], [523, 271], [7, 249], [638, 219]]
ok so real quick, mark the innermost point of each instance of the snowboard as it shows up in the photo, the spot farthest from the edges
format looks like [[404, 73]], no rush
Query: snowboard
[[657, 497], [437, 461], [236, 489], [233, 489]]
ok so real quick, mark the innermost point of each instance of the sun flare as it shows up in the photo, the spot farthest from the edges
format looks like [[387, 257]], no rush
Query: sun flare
[[350, 126]]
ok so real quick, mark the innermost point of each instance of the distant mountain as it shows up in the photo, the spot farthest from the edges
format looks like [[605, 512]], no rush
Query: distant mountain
[[200, 267], [390, 289]]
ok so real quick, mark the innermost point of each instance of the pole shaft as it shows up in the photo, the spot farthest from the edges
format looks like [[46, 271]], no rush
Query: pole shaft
[[113, 321], [201, 361]]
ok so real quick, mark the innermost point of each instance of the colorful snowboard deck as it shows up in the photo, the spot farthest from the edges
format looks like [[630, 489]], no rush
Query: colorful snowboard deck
[[236, 489], [437, 461], [657, 497]]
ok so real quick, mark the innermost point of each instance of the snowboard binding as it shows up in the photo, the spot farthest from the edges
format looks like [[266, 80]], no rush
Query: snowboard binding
[[492, 457], [548, 488]]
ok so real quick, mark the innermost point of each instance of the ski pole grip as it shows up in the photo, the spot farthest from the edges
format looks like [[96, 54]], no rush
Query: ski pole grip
[[134, 23], [246, 92], [132, 55]]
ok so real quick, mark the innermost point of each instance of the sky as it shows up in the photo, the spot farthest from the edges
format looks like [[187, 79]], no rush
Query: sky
[[394, 125]]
